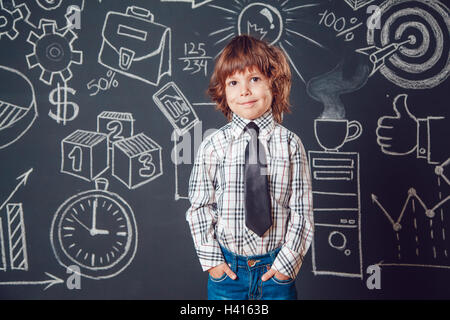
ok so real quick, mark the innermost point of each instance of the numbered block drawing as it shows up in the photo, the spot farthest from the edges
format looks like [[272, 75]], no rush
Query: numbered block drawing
[[117, 125], [136, 160], [134, 45], [16, 234], [84, 154], [177, 109]]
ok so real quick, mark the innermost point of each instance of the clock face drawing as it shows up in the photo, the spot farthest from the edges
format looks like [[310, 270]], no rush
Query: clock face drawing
[[96, 231]]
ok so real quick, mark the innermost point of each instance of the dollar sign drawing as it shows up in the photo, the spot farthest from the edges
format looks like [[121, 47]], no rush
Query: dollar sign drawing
[[58, 97]]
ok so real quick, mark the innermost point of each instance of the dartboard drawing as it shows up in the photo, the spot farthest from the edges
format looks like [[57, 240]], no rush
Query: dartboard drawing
[[422, 61]]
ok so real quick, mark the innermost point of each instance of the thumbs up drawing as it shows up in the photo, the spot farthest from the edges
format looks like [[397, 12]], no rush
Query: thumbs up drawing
[[397, 135]]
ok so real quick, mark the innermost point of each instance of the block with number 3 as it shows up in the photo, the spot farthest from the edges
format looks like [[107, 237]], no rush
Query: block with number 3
[[136, 160]]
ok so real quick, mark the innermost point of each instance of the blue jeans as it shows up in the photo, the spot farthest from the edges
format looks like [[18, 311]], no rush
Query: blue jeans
[[248, 285]]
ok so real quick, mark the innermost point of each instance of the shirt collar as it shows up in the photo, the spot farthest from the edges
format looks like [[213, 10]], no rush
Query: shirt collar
[[266, 124]]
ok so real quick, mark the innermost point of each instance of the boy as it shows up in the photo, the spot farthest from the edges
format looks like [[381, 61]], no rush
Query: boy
[[250, 190]]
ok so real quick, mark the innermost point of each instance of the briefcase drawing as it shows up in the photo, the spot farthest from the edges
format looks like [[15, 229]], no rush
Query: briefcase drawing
[[134, 45]]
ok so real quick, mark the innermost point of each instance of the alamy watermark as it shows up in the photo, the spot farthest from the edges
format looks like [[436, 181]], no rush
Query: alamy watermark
[[374, 280], [73, 17], [74, 280]]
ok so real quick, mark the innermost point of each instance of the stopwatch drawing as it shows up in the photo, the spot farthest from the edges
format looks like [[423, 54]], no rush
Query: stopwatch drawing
[[96, 231]]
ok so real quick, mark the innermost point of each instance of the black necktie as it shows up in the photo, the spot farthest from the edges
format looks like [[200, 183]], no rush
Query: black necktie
[[258, 215]]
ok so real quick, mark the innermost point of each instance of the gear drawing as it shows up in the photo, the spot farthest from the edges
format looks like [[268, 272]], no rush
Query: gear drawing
[[45, 11], [53, 52], [9, 17]]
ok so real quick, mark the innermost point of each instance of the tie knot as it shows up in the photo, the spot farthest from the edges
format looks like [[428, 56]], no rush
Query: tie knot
[[252, 128]]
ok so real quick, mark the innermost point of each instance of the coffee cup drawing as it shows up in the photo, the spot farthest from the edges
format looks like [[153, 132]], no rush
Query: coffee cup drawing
[[332, 134]]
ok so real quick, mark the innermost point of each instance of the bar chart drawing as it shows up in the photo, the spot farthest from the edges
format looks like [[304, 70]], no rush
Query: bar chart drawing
[[16, 236], [13, 240], [2, 248]]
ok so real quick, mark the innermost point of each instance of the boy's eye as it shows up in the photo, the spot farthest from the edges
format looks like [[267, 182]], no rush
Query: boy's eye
[[232, 83], [255, 79]]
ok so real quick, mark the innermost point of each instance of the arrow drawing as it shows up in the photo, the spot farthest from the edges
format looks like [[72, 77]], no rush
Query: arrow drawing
[[383, 264], [23, 181], [52, 281]]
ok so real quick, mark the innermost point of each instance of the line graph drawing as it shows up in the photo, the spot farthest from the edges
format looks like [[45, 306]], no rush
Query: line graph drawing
[[439, 171], [430, 212], [424, 243]]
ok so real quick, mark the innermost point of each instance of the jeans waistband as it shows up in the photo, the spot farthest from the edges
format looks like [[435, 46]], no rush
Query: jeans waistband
[[250, 262]]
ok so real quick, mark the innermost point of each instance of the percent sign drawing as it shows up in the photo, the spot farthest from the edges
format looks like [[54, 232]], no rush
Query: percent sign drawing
[[103, 84], [340, 25]]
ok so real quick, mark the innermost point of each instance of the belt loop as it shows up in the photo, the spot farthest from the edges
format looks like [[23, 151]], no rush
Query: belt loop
[[234, 263]]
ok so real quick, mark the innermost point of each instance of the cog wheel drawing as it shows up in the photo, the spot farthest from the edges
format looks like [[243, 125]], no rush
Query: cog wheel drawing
[[53, 52], [45, 11], [9, 19]]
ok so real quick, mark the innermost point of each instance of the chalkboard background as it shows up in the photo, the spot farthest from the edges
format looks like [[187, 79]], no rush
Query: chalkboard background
[[381, 230]]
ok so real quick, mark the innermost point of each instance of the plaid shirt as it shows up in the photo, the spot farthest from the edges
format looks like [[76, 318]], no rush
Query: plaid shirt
[[217, 212]]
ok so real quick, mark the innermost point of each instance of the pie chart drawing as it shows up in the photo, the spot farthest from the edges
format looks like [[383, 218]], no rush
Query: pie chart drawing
[[17, 106]]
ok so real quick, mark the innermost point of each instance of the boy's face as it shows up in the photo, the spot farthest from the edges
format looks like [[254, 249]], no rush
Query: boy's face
[[248, 94]]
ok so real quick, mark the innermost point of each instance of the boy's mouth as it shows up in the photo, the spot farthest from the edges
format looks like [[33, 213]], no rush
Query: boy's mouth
[[248, 103]]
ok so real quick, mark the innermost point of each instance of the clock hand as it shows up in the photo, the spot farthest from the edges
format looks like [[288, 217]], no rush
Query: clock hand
[[81, 223], [94, 231], [99, 231], [94, 214]]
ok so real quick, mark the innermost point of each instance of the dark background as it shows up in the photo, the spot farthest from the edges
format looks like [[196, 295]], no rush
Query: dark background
[[165, 265]]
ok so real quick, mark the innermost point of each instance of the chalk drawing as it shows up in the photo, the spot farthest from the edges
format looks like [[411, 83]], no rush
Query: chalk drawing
[[53, 53], [18, 109], [40, 12], [412, 47], [177, 109], [134, 45], [9, 18], [95, 230]]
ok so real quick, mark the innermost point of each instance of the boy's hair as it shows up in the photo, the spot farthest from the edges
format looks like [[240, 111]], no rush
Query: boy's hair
[[245, 52]]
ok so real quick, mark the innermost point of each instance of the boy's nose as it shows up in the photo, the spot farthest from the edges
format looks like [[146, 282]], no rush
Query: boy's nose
[[245, 90]]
